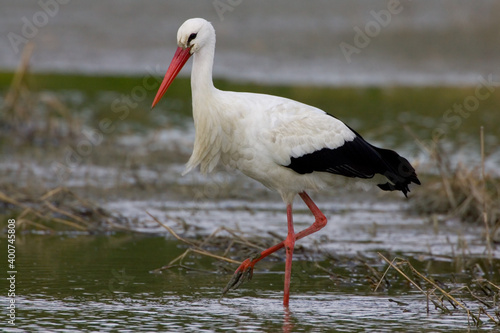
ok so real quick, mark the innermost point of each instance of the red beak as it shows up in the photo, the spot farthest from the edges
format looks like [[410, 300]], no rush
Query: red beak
[[178, 61]]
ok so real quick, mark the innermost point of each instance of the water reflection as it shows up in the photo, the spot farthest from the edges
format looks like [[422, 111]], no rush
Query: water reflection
[[102, 283]]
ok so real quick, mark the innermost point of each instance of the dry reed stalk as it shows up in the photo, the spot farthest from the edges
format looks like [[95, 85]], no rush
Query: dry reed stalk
[[485, 211], [19, 76], [35, 116], [239, 238], [431, 295], [468, 193], [9, 200], [68, 214], [56, 206], [195, 248]]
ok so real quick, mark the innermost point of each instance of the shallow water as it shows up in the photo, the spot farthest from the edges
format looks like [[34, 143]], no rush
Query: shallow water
[[74, 282], [104, 283], [353, 227]]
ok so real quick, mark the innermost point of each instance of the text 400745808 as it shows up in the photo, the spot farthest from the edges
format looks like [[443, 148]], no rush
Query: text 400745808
[[11, 272]]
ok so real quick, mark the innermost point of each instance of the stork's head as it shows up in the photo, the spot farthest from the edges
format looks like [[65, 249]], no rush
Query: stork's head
[[191, 37], [194, 33]]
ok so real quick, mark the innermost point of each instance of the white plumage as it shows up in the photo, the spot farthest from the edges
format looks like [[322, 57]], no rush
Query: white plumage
[[258, 134], [254, 133], [286, 145]]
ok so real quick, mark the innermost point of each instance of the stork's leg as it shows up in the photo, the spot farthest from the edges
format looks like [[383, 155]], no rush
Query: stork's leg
[[289, 245], [319, 217], [245, 271]]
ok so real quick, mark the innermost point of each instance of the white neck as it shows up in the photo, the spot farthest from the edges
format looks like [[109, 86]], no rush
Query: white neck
[[204, 95], [202, 86]]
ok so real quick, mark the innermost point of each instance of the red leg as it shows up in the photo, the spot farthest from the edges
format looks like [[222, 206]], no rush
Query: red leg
[[320, 219], [289, 245], [245, 271]]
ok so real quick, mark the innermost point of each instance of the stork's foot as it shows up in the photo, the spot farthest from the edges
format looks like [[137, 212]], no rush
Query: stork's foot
[[242, 274]]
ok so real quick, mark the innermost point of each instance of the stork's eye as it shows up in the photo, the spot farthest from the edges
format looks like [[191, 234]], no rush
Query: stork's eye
[[191, 37]]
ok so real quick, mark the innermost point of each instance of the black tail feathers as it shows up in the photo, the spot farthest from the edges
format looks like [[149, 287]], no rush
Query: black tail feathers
[[399, 172]]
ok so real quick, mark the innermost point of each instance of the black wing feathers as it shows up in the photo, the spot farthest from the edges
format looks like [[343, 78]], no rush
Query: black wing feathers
[[349, 160], [358, 158]]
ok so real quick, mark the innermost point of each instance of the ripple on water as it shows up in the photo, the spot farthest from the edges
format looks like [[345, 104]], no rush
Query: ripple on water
[[309, 312]]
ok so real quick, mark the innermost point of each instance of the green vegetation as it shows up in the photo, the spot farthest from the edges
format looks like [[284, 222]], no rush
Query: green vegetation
[[50, 111], [44, 116], [372, 110]]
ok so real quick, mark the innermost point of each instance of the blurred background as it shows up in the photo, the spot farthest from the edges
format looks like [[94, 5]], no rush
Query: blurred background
[[420, 42], [92, 175]]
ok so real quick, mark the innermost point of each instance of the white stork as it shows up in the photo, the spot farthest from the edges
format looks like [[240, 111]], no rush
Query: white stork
[[288, 146]]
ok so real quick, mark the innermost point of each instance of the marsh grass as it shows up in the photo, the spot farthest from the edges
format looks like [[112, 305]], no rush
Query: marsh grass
[[30, 117], [482, 294], [464, 192], [58, 210]]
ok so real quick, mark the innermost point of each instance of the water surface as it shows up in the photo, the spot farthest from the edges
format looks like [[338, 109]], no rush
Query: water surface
[[72, 283]]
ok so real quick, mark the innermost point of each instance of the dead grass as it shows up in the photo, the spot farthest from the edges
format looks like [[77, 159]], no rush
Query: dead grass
[[29, 117], [450, 301], [60, 209], [232, 242], [461, 191], [194, 247]]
